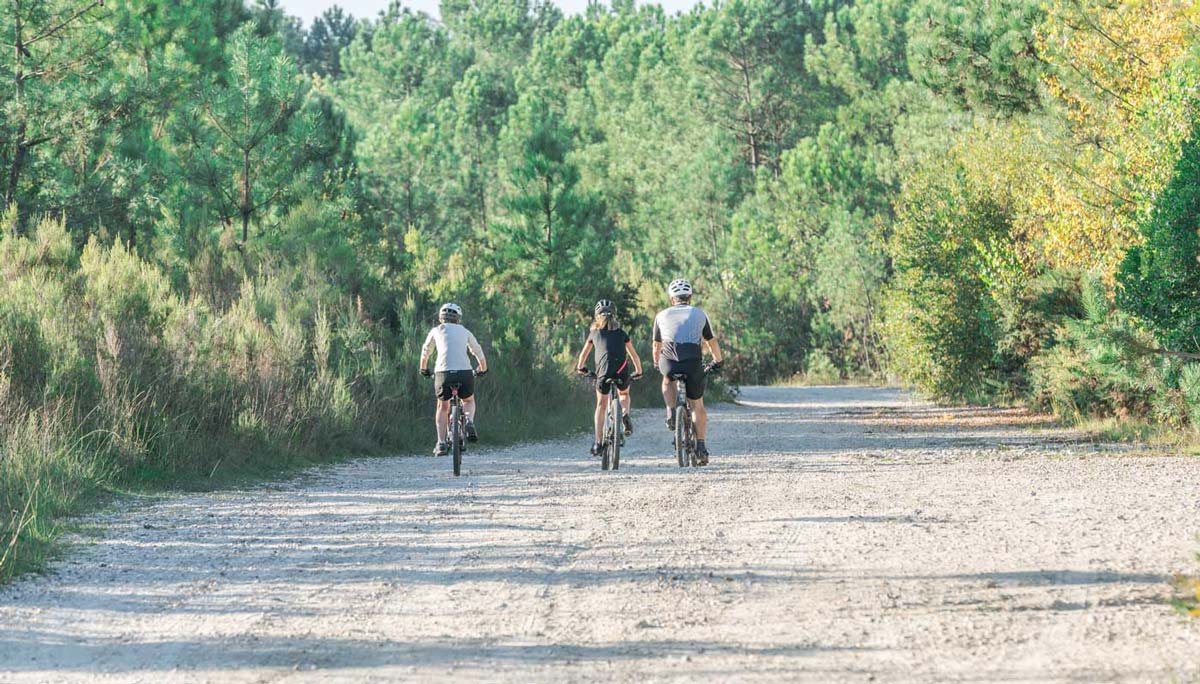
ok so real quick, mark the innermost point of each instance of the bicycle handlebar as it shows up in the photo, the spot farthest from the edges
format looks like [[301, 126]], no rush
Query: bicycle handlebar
[[589, 373], [474, 371]]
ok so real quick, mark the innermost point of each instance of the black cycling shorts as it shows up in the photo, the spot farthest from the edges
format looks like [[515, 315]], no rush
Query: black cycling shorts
[[693, 368], [621, 380], [442, 380]]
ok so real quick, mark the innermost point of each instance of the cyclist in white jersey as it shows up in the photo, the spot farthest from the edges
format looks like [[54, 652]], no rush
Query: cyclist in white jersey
[[452, 342], [680, 334]]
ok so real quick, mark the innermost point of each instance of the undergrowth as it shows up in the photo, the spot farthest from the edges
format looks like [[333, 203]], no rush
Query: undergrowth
[[113, 376]]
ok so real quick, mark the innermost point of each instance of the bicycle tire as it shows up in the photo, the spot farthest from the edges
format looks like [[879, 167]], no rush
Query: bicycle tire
[[456, 445], [681, 454], [618, 431], [605, 453]]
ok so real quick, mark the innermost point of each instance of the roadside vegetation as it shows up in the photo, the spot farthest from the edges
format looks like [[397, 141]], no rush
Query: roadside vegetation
[[112, 378], [224, 233]]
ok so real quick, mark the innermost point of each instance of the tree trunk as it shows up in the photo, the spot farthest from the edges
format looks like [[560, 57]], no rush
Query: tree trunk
[[19, 148], [480, 175], [751, 124], [548, 207], [246, 207]]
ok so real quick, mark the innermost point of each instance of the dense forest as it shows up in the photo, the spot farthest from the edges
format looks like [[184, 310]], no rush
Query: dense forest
[[224, 233]]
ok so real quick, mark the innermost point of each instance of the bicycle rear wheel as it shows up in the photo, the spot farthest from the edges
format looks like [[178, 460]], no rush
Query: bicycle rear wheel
[[606, 438], [618, 431], [456, 438], [681, 435]]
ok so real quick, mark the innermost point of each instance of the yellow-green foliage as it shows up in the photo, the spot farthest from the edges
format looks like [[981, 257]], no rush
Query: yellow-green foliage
[[939, 315], [1125, 80], [1189, 587]]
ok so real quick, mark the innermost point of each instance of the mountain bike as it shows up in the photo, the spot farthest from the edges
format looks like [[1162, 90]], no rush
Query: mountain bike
[[614, 425], [457, 431], [685, 429]]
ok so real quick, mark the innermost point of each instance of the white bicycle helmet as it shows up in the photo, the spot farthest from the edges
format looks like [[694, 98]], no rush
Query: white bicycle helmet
[[450, 313], [680, 288]]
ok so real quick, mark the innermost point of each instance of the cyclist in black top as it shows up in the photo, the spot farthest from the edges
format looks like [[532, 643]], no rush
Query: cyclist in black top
[[613, 353]]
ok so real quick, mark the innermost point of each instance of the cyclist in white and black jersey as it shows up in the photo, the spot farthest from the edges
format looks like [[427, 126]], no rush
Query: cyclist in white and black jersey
[[680, 334], [453, 342]]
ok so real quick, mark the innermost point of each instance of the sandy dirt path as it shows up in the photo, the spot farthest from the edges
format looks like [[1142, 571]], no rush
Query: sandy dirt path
[[841, 534]]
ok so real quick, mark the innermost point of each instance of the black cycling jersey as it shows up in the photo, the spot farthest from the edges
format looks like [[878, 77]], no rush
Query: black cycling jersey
[[609, 351]]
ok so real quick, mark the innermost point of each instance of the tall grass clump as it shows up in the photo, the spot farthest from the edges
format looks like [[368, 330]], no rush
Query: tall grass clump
[[117, 372]]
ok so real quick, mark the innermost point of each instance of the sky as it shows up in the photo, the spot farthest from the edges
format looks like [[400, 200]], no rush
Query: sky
[[307, 9]]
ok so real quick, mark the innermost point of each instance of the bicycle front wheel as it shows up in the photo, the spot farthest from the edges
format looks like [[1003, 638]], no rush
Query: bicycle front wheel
[[456, 438], [606, 443]]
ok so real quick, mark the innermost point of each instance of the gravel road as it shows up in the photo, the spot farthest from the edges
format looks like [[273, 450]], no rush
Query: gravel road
[[841, 534]]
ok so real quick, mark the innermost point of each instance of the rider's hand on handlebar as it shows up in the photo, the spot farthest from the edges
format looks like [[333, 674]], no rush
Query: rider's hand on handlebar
[[713, 366], [583, 370], [426, 372], [479, 373], [636, 376]]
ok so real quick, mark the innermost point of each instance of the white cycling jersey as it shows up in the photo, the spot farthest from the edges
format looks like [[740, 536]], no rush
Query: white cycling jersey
[[682, 329], [453, 342]]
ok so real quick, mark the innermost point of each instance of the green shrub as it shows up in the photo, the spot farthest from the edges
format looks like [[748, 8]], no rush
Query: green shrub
[[1031, 312], [940, 320], [1098, 364], [1160, 279], [24, 358], [820, 369], [121, 287]]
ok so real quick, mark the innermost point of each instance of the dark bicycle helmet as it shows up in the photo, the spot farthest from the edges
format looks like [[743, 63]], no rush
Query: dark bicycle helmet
[[605, 307]]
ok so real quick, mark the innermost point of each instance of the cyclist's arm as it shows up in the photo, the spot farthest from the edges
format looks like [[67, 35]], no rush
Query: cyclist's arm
[[714, 348], [710, 341], [581, 362], [426, 349], [477, 352], [637, 362], [656, 348]]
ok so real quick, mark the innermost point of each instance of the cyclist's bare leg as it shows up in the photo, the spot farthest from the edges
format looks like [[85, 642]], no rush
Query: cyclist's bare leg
[[469, 408], [601, 409], [442, 419], [624, 401], [669, 395], [699, 416]]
